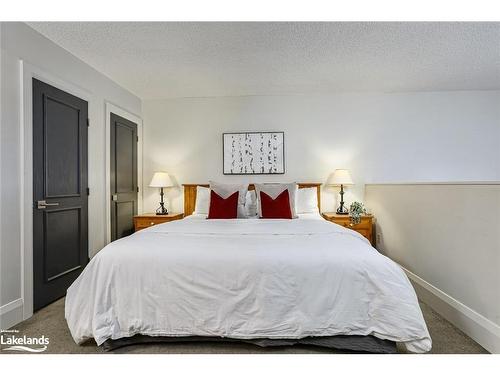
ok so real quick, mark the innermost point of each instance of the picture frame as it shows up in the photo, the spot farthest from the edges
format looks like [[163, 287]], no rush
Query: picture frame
[[253, 153]]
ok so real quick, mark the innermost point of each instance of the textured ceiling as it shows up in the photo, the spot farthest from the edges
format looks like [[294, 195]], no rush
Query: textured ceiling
[[161, 60]]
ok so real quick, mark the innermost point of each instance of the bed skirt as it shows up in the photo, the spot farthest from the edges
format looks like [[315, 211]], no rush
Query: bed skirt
[[367, 344]]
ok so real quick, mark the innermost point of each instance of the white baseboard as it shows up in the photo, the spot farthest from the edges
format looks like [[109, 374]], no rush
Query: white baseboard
[[11, 314], [482, 330]]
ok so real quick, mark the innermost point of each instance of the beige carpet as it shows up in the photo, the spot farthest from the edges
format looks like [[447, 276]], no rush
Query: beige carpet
[[50, 322]]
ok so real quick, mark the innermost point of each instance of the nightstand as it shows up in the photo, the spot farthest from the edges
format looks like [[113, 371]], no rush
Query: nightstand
[[364, 228], [148, 220]]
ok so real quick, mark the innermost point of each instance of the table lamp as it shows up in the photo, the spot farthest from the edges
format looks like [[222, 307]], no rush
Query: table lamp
[[161, 180], [340, 177]]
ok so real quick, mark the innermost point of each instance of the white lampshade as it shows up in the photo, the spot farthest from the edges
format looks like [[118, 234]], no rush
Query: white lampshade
[[340, 177], [161, 179]]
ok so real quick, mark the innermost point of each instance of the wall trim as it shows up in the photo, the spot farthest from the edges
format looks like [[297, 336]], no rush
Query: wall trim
[[11, 306], [478, 327], [113, 108], [27, 73], [435, 183], [11, 313]]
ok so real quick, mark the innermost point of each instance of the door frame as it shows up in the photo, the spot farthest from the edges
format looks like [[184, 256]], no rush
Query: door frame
[[27, 73], [112, 108]]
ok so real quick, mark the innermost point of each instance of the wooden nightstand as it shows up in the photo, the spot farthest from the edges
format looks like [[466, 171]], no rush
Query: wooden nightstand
[[364, 228], [147, 220]]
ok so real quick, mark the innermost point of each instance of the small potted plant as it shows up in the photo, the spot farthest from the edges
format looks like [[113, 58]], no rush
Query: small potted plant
[[356, 210]]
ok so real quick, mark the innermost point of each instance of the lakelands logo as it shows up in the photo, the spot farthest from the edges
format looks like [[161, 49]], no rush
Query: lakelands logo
[[23, 343]]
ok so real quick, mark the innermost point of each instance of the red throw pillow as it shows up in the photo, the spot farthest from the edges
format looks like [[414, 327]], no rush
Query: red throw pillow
[[221, 208], [278, 208]]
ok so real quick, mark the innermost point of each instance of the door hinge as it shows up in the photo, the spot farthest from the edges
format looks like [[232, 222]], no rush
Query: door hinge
[[137, 138], [88, 122], [88, 191], [137, 188]]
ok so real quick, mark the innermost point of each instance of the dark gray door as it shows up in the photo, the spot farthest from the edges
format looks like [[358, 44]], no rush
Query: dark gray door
[[123, 176], [60, 224]]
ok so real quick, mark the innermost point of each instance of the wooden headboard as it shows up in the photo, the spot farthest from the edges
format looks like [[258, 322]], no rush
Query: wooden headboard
[[190, 194]]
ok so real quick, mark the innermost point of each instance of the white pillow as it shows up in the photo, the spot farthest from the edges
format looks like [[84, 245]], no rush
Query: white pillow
[[307, 201], [251, 204], [273, 190], [202, 200], [225, 190]]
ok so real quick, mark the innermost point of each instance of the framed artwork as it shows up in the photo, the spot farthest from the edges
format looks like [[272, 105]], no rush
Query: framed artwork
[[253, 153]]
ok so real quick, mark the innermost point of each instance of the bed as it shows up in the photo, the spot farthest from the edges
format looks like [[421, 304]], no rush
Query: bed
[[255, 280]]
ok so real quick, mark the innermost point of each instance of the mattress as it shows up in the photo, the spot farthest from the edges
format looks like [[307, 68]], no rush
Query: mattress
[[245, 279]]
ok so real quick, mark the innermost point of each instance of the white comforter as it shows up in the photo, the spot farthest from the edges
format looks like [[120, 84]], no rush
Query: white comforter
[[244, 279]]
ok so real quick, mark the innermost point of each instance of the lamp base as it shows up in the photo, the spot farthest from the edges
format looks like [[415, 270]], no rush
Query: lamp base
[[161, 210], [342, 211]]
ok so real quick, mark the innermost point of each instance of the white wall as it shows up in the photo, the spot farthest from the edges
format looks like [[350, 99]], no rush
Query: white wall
[[448, 235], [384, 137], [20, 42]]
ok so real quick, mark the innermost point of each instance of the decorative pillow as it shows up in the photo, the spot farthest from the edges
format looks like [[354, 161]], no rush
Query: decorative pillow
[[306, 201], [278, 208], [223, 208], [202, 200], [251, 204], [273, 190], [225, 190]]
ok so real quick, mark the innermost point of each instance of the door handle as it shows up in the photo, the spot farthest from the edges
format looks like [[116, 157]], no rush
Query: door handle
[[44, 204]]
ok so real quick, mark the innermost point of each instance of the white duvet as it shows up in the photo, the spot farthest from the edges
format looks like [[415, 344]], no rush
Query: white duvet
[[244, 279]]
